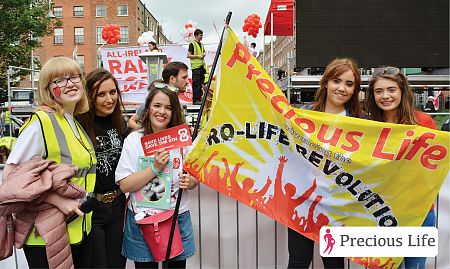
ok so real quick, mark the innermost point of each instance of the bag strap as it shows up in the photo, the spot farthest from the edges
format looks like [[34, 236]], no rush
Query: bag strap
[[125, 212]]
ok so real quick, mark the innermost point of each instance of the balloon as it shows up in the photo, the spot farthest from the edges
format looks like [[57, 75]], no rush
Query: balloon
[[188, 31], [146, 38], [252, 24], [111, 33]]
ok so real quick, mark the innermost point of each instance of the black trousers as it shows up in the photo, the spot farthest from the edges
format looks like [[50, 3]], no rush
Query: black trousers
[[301, 251], [198, 78], [107, 234], [82, 254]]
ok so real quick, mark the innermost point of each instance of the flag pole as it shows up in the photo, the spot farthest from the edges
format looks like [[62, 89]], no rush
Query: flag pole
[[194, 135], [211, 75]]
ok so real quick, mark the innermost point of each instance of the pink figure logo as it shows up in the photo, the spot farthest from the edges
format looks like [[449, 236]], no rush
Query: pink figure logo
[[328, 237]]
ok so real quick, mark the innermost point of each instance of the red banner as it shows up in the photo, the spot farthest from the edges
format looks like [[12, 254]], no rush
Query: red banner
[[169, 139]]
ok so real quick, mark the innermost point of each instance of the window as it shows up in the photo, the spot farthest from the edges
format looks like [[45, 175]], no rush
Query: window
[[80, 61], [98, 35], [79, 35], [124, 38], [100, 10], [78, 11], [58, 12], [58, 36], [122, 10]]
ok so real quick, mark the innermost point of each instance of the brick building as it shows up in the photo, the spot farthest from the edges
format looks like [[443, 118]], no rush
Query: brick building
[[80, 35]]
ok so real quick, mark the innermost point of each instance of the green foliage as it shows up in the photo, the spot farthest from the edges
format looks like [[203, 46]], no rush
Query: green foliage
[[22, 22]]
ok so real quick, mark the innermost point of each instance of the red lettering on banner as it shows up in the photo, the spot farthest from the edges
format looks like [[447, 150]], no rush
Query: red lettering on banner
[[279, 99], [113, 54], [405, 145], [419, 143], [265, 85], [130, 67], [236, 56], [114, 66], [335, 137], [378, 150], [252, 71], [354, 145], [142, 66], [291, 113], [428, 154], [310, 126], [350, 144]]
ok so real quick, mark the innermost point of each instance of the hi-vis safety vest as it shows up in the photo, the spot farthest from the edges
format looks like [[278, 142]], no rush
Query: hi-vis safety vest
[[62, 146], [198, 50], [6, 117]]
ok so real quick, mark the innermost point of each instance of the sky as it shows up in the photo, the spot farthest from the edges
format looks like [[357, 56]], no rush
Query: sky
[[174, 14]]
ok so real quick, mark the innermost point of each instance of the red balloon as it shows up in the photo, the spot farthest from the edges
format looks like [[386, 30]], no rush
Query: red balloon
[[252, 24], [111, 41], [188, 25]]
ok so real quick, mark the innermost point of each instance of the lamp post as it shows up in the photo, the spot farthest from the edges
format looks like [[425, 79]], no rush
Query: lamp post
[[50, 14]]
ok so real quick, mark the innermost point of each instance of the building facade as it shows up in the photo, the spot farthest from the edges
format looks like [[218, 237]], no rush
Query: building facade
[[80, 35], [283, 51]]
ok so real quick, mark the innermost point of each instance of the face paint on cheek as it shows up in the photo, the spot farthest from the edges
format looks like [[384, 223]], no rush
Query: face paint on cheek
[[57, 92]]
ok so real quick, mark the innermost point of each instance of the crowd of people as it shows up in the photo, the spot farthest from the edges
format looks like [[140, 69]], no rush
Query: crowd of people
[[80, 122]]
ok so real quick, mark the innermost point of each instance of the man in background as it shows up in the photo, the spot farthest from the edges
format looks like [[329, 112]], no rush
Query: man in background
[[174, 74], [196, 53]]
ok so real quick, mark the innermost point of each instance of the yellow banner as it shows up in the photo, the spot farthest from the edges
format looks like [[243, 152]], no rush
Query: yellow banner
[[307, 169]]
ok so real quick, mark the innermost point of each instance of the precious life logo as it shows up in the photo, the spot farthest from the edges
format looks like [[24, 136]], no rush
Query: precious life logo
[[378, 241]]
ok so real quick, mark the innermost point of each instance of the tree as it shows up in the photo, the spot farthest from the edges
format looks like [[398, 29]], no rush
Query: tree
[[22, 22]]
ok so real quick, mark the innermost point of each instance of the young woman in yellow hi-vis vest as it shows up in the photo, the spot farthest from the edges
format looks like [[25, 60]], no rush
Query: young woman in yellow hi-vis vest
[[52, 133]]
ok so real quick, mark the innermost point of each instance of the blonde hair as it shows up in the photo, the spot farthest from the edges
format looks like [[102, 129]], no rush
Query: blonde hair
[[55, 68]]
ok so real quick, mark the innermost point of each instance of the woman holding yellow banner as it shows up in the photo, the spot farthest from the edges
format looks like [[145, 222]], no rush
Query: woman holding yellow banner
[[390, 99], [338, 94]]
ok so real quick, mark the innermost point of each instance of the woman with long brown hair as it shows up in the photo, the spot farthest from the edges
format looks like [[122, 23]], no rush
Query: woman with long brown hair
[[107, 128], [390, 99], [148, 183], [338, 94], [339, 89]]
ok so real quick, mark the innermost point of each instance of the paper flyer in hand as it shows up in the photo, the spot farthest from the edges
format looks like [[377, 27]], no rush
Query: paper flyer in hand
[[156, 194]]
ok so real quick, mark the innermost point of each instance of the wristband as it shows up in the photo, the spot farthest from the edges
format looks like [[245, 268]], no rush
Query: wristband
[[156, 172]]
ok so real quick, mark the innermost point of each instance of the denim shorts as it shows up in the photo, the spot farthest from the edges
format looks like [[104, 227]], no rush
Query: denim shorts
[[136, 249]]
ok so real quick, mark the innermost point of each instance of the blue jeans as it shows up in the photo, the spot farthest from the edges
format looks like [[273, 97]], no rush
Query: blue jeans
[[419, 262], [135, 247]]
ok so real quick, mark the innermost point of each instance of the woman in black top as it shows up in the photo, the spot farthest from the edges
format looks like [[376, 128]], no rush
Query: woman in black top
[[107, 128]]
